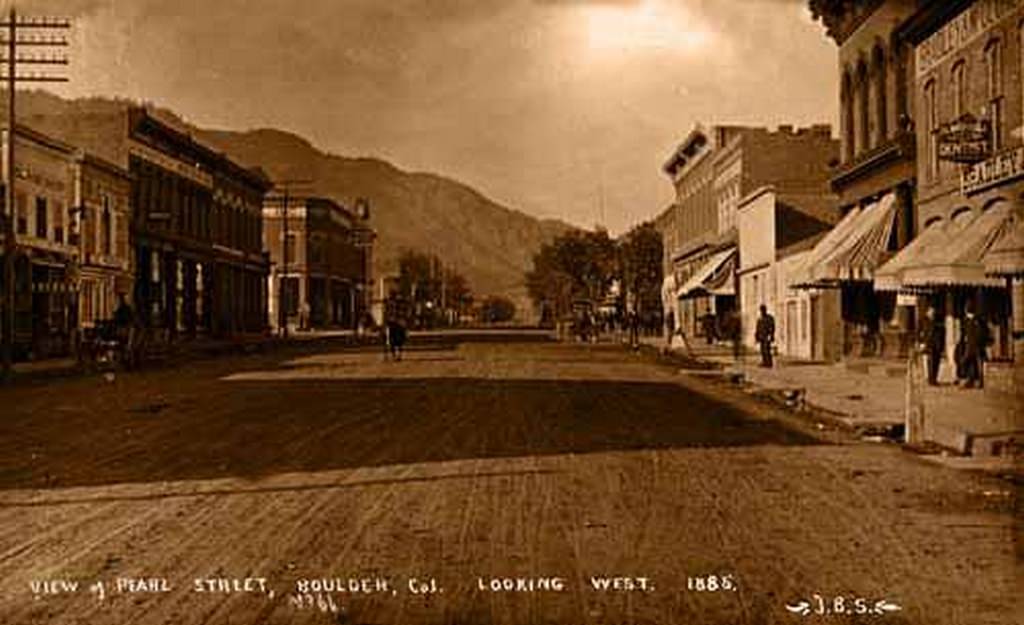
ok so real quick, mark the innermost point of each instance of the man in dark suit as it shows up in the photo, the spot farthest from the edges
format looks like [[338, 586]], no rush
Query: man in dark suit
[[932, 339], [764, 334], [974, 339]]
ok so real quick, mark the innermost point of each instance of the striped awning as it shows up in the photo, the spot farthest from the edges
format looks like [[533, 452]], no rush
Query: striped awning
[[852, 249], [1006, 256], [946, 254], [714, 277]]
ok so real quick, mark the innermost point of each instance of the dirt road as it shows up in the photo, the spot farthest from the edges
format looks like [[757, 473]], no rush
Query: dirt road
[[478, 483]]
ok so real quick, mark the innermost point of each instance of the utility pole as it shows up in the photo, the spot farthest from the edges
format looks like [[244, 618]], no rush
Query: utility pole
[[282, 292], [47, 38]]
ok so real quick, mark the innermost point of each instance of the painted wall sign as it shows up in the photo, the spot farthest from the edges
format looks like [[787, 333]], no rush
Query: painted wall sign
[[999, 169], [960, 31]]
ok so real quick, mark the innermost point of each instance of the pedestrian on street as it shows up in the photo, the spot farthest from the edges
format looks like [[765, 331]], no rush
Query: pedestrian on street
[[932, 341], [973, 342], [633, 320], [764, 334]]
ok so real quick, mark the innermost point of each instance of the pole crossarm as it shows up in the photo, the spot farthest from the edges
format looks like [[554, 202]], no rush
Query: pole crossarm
[[41, 79]]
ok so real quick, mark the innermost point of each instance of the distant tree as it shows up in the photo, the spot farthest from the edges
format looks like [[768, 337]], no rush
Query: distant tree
[[641, 269], [437, 295], [497, 309], [578, 265]]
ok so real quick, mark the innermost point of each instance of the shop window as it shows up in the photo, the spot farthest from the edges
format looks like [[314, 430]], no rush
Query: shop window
[[42, 212]]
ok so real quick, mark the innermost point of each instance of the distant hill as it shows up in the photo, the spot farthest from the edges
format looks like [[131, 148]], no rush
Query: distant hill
[[490, 244]]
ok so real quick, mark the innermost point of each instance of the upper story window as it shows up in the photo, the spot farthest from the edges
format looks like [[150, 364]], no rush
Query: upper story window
[[863, 115], [931, 122], [846, 96], [879, 81], [994, 89], [958, 88], [42, 212], [106, 227], [58, 221]]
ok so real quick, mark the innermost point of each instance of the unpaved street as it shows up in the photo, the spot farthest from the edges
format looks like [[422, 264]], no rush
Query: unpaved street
[[431, 485]]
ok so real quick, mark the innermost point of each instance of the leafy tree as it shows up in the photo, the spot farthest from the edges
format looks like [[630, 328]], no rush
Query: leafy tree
[[641, 254], [578, 265]]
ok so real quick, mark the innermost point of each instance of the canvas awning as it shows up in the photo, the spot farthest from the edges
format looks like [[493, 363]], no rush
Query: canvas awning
[[860, 251], [845, 250], [714, 277], [946, 254], [1006, 256]]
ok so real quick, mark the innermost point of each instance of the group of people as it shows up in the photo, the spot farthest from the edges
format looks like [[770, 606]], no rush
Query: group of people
[[969, 355]]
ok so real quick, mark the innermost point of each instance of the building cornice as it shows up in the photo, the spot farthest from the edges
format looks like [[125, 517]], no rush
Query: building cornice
[[898, 149], [842, 18]]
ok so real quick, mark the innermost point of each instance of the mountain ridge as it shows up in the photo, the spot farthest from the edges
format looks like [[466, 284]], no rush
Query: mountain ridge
[[488, 242]]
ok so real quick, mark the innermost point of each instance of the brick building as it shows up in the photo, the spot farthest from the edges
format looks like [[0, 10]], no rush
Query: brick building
[[875, 180], [320, 255], [200, 266], [969, 94], [103, 212], [44, 307], [711, 171]]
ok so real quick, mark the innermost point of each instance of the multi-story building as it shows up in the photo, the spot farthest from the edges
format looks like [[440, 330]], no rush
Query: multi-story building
[[197, 225], [102, 210], [711, 171], [875, 178], [969, 95], [320, 262], [44, 307]]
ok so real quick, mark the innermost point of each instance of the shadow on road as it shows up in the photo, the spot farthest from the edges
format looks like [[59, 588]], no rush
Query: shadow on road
[[298, 426]]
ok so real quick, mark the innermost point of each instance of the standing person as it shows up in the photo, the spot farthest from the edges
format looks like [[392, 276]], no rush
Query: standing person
[[974, 339], [634, 330], [670, 327], [764, 334], [932, 340]]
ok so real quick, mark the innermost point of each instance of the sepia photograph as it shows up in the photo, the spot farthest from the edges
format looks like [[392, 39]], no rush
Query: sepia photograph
[[511, 312]]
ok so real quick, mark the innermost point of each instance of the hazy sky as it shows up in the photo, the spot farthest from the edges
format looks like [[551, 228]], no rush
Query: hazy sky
[[562, 108]]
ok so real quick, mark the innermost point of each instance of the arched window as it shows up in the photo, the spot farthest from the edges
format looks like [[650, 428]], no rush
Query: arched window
[[931, 121], [958, 88], [994, 202], [847, 98], [863, 91], [931, 221], [994, 89], [879, 69], [961, 215]]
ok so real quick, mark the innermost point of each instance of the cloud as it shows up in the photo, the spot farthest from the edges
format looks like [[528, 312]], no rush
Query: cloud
[[512, 96]]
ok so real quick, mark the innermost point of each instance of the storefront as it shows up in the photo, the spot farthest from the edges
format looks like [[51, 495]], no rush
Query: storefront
[[846, 259]]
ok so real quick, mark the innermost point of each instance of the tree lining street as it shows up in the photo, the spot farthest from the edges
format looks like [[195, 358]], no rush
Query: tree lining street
[[467, 462]]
